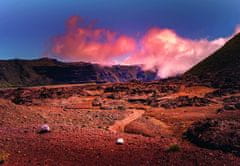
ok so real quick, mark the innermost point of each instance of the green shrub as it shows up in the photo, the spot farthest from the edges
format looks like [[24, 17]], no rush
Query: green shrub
[[174, 148], [3, 157]]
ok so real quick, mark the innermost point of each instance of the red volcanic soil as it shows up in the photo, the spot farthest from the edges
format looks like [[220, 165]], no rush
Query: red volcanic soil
[[84, 132], [97, 147]]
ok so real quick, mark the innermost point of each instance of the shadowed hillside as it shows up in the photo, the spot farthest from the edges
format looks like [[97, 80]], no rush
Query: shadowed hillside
[[222, 68], [49, 71]]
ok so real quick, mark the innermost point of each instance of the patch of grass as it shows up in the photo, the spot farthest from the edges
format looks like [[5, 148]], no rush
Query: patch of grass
[[3, 157], [174, 148]]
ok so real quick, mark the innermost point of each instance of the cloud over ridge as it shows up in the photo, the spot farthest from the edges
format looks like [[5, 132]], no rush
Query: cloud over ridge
[[158, 48]]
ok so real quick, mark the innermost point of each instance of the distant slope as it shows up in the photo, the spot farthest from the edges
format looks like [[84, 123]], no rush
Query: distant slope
[[222, 68], [50, 71]]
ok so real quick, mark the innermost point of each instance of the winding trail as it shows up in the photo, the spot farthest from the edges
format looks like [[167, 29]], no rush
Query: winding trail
[[119, 125]]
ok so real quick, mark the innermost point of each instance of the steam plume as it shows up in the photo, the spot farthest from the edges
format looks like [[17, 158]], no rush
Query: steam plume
[[161, 49]]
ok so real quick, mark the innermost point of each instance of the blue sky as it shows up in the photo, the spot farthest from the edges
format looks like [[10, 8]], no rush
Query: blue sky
[[26, 26]]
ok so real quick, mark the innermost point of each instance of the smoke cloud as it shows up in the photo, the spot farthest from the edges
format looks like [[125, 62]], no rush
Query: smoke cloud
[[161, 49], [171, 54]]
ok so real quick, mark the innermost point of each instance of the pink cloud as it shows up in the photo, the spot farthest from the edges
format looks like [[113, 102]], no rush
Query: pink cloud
[[85, 43], [237, 29], [161, 49], [171, 54]]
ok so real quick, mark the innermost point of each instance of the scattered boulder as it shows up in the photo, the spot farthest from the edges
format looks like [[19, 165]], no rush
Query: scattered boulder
[[230, 104], [97, 102], [237, 106], [114, 96], [121, 107], [221, 92], [232, 99], [220, 110], [108, 106], [117, 88], [120, 141], [137, 100], [22, 100], [44, 129], [27, 96], [229, 107], [181, 101], [113, 105]]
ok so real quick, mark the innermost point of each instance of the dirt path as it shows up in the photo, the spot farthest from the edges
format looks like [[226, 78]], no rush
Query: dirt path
[[119, 125]]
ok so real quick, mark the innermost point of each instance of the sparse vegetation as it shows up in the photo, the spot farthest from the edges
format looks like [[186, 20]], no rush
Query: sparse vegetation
[[174, 148], [3, 157]]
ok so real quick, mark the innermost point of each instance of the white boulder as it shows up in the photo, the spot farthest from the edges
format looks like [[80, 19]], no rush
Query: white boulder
[[120, 141], [44, 129]]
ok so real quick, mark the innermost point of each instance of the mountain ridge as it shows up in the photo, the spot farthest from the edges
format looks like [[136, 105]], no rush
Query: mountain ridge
[[46, 71], [222, 68]]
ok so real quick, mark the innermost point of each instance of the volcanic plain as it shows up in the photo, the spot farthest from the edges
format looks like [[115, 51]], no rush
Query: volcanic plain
[[161, 123]]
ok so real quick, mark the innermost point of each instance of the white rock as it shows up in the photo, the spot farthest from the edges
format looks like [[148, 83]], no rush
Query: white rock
[[120, 141], [44, 129]]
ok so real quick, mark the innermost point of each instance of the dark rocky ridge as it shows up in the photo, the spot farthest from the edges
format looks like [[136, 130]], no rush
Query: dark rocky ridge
[[50, 71], [221, 69]]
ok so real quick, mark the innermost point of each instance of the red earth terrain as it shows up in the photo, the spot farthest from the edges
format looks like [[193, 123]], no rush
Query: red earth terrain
[[86, 120]]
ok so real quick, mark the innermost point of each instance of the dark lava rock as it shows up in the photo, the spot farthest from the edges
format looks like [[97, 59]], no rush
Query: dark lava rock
[[182, 101], [113, 105], [117, 88], [22, 100], [216, 134], [169, 89], [141, 91], [137, 100], [220, 92], [231, 104], [114, 96], [237, 106], [1, 161], [232, 99], [229, 107], [97, 102], [121, 107], [26, 96], [220, 110]]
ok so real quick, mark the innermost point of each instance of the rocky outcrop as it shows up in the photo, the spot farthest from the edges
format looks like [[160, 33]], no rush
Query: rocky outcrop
[[216, 134], [181, 101], [231, 103], [26, 96]]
